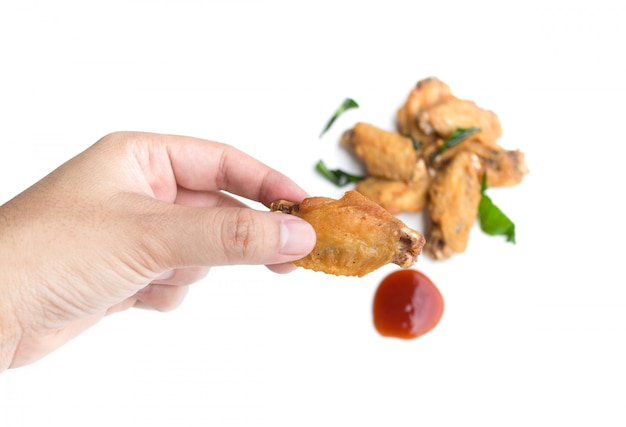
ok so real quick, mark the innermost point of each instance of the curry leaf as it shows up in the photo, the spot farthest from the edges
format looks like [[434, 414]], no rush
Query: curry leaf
[[492, 220], [347, 104], [336, 176], [458, 136]]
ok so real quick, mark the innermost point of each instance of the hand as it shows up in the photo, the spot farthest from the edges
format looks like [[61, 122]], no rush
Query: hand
[[132, 221]]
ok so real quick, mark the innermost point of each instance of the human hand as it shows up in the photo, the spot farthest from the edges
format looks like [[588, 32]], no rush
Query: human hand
[[132, 221]]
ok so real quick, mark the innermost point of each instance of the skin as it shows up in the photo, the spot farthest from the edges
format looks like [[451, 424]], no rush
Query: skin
[[131, 222]]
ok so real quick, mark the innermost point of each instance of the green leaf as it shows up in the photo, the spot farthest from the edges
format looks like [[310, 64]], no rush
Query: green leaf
[[347, 104], [336, 176], [458, 136], [492, 220]]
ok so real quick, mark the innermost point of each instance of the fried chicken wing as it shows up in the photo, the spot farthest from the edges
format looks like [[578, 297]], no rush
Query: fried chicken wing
[[385, 154], [399, 196], [504, 168], [444, 118], [395, 196], [454, 197], [355, 236], [426, 93], [431, 112]]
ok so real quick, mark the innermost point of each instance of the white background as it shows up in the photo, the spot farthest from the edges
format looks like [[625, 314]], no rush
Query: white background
[[532, 334]]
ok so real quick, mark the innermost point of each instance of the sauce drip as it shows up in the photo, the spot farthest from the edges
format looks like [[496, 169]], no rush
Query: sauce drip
[[407, 304]]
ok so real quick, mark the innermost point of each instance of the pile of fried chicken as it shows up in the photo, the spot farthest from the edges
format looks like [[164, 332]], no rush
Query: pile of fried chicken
[[411, 169]]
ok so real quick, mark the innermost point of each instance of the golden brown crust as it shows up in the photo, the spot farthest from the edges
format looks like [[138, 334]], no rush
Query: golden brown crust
[[432, 112], [454, 197], [385, 154], [399, 196], [504, 168], [445, 117], [426, 93]]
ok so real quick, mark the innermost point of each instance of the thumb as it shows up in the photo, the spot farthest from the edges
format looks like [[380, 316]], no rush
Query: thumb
[[233, 235]]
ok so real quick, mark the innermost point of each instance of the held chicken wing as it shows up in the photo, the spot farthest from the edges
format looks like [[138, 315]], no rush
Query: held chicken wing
[[355, 236]]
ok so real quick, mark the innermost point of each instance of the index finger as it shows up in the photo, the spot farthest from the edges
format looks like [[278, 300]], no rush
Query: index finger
[[203, 165]]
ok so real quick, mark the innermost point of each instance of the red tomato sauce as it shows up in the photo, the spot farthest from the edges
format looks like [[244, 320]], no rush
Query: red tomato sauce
[[407, 304]]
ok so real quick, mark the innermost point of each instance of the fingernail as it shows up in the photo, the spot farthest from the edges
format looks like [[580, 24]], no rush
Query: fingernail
[[297, 237]]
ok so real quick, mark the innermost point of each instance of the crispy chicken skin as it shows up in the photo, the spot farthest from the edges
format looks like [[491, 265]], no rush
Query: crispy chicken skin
[[504, 168], [385, 154], [454, 197], [426, 93], [399, 196], [395, 196], [443, 118], [431, 113], [355, 236]]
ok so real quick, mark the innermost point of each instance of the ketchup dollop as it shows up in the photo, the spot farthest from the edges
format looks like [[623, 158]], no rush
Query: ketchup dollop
[[407, 304]]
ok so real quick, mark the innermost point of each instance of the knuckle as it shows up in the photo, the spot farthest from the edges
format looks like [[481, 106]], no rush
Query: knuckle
[[240, 236]]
